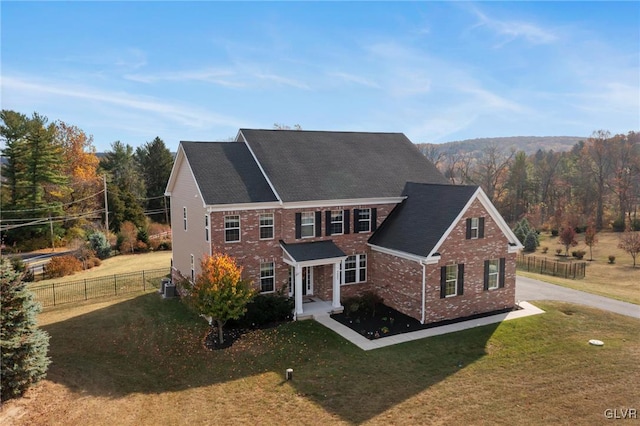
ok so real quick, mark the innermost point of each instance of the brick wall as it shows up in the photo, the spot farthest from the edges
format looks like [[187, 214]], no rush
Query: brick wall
[[251, 251], [399, 281]]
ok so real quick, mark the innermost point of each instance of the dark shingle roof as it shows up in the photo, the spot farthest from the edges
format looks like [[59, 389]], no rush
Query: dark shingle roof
[[417, 224], [226, 173], [318, 165], [313, 251]]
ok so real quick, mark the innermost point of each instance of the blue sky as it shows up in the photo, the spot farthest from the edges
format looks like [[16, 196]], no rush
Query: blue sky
[[436, 71]]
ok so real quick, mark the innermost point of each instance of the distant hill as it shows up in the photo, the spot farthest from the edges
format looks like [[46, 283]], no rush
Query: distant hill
[[528, 144]]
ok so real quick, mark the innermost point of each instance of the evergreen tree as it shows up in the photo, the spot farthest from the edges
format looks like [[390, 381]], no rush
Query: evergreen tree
[[23, 345], [155, 162], [531, 242]]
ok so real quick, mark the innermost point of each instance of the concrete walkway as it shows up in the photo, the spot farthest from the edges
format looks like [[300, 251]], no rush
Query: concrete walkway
[[367, 345], [530, 289]]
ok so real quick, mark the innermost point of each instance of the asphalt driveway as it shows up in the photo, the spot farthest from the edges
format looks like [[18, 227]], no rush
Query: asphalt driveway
[[529, 289]]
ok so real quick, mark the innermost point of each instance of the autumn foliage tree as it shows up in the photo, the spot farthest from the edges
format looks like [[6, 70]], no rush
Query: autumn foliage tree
[[568, 238], [591, 239], [219, 292], [630, 243]]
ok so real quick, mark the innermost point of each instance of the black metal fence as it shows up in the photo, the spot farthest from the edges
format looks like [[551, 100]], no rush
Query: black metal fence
[[543, 265], [92, 288]]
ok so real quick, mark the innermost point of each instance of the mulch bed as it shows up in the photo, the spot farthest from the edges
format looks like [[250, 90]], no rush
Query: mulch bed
[[388, 322], [232, 332]]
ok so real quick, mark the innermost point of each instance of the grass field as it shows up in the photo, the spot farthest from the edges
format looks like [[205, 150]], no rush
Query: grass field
[[139, 361], [619, 280], [118, 265]]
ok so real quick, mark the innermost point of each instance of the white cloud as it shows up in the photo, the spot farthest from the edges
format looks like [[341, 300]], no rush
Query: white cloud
[[512, 30], [170, 111], [352, 78], [221, 77]]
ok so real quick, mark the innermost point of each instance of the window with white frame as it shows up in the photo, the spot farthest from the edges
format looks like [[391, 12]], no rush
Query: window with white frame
[[231, 228], [184, 218], [355, 269], [451, 281], [206, 227], [493, 274], [475, 226], [267, 277], [308, 224], [337, 222], [193, 270], [364, 220], [266, 226]]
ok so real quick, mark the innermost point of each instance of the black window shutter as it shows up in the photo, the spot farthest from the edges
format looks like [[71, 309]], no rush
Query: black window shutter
[[346, 221], [461, 279], [443, 282], [356, 216], [318, 224], [327, 222], [501, 276], [298, 226], [469, 229], [374, 219], [486, 275], [481, 227]]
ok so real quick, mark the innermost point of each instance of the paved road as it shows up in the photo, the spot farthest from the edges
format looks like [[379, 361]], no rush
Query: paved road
[[530, 289]]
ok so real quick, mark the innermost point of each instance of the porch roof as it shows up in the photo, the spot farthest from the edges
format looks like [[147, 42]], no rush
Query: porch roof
[[317, 250]]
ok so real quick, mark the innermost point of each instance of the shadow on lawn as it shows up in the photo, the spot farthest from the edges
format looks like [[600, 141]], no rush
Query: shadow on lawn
[[149, 345]]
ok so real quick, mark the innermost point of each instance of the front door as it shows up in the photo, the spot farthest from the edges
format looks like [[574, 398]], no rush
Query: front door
[[307, 281]]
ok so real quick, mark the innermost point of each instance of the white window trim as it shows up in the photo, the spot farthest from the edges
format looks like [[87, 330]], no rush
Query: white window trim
[[273, 276], [312, 224], [341, 222], [239, 228], [455, 282], [364, 220], [358, 268], [272, 226], [184, 218], [475, 228], [496, 274], [193, 270]]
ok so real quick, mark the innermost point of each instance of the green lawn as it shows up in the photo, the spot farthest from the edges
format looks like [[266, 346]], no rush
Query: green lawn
[[139, 360]]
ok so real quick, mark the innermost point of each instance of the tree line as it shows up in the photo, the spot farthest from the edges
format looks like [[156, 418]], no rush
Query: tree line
[[53, 182], [597, 181]]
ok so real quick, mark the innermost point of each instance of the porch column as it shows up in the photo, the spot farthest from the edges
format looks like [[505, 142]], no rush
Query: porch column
[[336, 285], [298, 287]]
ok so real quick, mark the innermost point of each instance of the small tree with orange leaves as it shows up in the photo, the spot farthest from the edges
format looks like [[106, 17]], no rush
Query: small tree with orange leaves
[[219, 292]]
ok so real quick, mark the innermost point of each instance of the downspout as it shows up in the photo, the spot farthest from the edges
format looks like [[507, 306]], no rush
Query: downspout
[[424, 282]]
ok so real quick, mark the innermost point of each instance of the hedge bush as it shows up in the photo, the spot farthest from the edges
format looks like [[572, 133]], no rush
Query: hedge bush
[[61, 266], [266, 309]]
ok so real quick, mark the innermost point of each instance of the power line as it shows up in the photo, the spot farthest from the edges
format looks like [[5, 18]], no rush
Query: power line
[[54, 205]]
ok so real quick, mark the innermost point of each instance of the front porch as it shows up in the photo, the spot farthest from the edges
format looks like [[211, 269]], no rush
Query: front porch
[[303, 258], [313, 306]]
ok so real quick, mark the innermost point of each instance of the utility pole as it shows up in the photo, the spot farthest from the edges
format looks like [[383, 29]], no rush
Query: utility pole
[[106, 205]]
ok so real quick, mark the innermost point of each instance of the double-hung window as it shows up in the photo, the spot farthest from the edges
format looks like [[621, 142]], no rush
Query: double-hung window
[[308, 224], [452, 280], [184, 218], [266, 226], [337, 222], [267, 277], [231, 229], [206, 227], [475, 228], [355, 269], [493, 274], [364, 220]]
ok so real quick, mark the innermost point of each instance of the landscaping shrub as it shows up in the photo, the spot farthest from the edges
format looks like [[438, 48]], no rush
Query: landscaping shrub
[[544, 249], [635, 225], [100, 245], [558, 252], [612, 259], [62, 266], [578, 254], [554, 232], [618, 225], [530, 242], [363, 305], [265, 309]]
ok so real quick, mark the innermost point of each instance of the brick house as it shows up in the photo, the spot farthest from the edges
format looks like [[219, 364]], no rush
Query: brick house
[[334, 214]]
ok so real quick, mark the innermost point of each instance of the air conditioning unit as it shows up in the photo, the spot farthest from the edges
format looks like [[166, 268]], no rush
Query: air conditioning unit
[[163, 283], [169, 291]]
